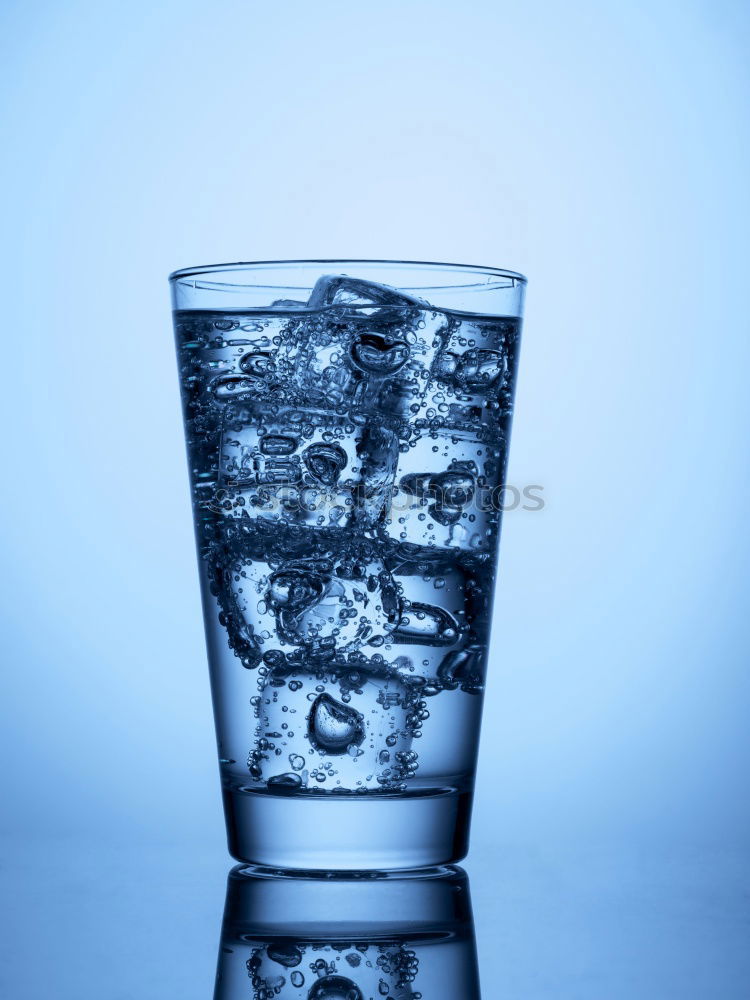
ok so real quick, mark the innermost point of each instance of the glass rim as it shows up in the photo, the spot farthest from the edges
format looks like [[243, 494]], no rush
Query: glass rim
[[249, 266]]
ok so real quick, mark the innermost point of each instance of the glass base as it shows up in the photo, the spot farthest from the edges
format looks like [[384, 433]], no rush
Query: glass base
[[348, 833]]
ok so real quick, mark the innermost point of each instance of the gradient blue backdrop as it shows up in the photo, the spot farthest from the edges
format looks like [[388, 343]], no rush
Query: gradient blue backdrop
[[602, 149]]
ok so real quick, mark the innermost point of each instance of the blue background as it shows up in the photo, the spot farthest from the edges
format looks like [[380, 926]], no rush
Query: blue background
[[600, 148]]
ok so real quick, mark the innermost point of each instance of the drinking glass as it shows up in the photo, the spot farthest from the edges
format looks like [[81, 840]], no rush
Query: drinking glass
[[347, 429], [398, 935]]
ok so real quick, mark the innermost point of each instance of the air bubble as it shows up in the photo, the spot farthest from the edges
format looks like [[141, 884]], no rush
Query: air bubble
[[427, 624], [335, 988], [334, 727], [285, 782], [325, 462], [288, 955], [278, 444], [377, 355]]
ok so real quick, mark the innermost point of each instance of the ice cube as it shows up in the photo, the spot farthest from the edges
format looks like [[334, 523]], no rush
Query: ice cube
[[445, 617], [365, 345], [238, 573], [476, 367], [304, 466], [330, 602], [443, 495], [341, 290], [233, 355], [335, 729], [297, 589]]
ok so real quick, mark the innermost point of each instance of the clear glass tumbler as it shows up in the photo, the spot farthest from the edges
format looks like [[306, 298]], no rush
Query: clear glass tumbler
[[347, 428]]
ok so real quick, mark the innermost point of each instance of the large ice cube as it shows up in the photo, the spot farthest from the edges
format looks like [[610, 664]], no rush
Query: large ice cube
[[471, 379], [215, 350], [445, 616], [364, 345], [239, 573], [333, 602], [304, 466], [235, 354], [443, 495], [313, 591], [478, 362], [335, 729], [357, 293]]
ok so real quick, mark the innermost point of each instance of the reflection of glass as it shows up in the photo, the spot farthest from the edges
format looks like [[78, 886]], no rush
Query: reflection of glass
[[347, 426], [359, 936]]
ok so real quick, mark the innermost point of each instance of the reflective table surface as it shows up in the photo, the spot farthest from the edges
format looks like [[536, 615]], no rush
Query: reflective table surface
[[597, 923]]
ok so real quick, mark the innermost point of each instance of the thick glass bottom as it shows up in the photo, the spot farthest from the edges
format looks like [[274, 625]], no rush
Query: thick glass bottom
[[348, 832]]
